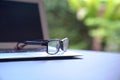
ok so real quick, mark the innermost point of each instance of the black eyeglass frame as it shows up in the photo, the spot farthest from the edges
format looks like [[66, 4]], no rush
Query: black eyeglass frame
[[62, 45]]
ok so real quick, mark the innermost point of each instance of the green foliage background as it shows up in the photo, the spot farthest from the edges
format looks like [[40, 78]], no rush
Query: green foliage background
[[102, 18], [62, 22]]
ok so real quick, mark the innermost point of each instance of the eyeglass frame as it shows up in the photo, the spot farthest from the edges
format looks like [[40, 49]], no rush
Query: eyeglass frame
[[45, 43]]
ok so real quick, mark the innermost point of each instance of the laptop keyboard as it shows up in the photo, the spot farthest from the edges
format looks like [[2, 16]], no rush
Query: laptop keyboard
[[20, 51]]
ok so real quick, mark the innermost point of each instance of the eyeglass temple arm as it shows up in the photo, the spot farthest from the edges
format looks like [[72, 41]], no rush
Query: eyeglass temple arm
[[44, 43]]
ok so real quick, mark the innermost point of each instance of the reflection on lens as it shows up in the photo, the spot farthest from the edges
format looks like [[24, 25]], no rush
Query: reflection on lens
[[53, 46]]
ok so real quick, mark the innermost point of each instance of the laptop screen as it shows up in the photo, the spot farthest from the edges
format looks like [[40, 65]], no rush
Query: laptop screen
[[19, 21]]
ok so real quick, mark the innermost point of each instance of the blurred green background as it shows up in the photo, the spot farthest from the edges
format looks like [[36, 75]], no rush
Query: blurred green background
[[89, 24]]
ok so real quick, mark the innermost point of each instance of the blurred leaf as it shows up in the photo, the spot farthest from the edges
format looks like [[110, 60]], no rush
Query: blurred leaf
[[110, 6], [100, 32], [74, 5]]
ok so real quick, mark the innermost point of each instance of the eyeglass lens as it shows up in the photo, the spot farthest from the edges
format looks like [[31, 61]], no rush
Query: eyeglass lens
[[65, 42], [53, 46]]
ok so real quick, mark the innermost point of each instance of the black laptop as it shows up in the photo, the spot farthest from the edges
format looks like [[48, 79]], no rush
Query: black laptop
[[22, 20]]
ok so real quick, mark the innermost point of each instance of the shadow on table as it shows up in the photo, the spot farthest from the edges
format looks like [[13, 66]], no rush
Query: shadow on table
[[41, 59]]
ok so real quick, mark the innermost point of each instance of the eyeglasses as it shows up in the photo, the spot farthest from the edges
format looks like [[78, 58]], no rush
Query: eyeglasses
[[53, 45]]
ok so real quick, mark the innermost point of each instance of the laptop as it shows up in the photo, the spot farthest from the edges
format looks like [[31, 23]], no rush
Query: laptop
[[22, 20]]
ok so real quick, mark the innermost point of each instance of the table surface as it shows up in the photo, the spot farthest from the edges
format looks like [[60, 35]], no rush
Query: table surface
[[91, 66]]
